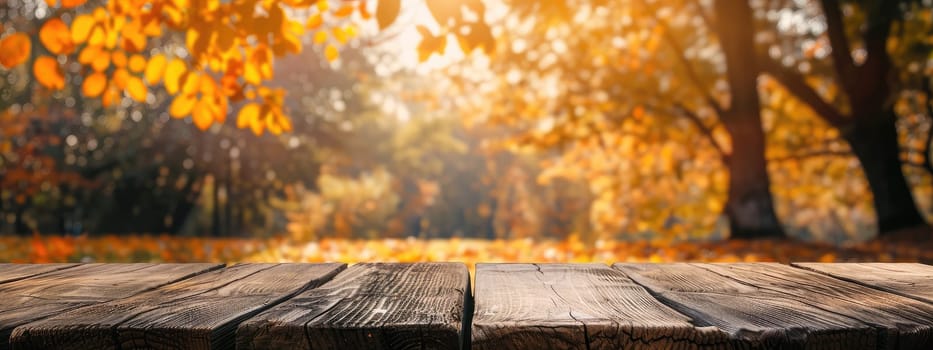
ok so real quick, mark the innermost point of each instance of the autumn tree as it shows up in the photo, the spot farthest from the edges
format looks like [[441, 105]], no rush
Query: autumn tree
[[750, 204], [744, 55], [860, 36], [573, 75], [224, 55], [205, 59]]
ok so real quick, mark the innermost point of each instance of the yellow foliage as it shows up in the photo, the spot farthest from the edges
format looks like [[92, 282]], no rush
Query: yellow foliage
[[154, 69], [234, 41], [173, 74], [118, 58], [248, 115], [81, 28], [182, 105], [136, 89], [137, 63], [320, 37], [101, 61], [331, 53], [315, 21], [120, 77]]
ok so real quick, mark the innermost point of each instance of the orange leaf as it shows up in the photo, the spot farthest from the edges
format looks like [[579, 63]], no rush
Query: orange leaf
[[344, 11], [154, 69], [259, 65], [173, 74], [340, 35], [315, 21], [137, 63], [88, 54], [48, 73], [320, 37], [81, 28], [101, 61], [118, 58], [638, 112], [134, 40], [386, 12], [56, 37], [110, 97], [94, 84], [120, 77], [203, 115], [136, 89], [257, 126], [72, 3], [182, 106], [248, 115], [191, 84], [331, 53], [208, 86], [364, 12], [14, 50], [98, 37]]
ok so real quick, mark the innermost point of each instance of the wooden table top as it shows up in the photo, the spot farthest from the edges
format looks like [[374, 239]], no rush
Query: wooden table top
[[433, 306]]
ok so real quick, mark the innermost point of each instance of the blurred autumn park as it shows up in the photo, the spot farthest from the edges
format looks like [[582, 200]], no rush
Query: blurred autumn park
[[466, 130]]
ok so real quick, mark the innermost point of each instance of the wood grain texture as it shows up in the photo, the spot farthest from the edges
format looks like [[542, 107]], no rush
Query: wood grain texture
[[778, 306], [576, 306], [201, 312], [910, 280], [16, 272], [31, 299], [369, 306]]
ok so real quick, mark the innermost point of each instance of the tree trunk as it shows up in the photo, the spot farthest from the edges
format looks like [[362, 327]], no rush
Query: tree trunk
[[749, 207], [215, 203], [490, 222], [874, 141], [21, 227], [182, 210]]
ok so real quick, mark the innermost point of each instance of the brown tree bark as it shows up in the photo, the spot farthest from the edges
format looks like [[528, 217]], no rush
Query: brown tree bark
[[749, 207], [870, 129], [873, 138]]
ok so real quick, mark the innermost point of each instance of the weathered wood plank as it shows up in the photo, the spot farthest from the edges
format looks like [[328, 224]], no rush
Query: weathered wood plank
[[201, 312], [776, 305], [369, 306], [910, 280], [576, 306], [16, 272], [31, 299]]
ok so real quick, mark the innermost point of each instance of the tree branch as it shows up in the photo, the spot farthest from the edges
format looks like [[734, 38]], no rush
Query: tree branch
[[691, 73], [797, 85], [705, 130], [841, 51], [703, 15], [877, 31], [812, 154]]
